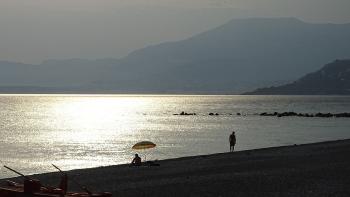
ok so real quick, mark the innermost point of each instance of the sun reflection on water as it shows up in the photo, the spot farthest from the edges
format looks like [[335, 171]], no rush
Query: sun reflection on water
[[90, 119]]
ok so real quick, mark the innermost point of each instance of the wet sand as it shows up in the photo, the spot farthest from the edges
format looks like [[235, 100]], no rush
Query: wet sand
[[320, 169]]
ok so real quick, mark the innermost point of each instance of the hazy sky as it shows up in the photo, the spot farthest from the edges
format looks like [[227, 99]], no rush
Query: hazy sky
[[35, 30]]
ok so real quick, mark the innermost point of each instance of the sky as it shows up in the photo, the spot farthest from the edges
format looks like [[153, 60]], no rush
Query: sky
[[32, 31]]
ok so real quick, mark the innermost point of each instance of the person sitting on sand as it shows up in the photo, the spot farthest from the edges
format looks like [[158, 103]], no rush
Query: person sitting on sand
[[232, 140], [136, 161]]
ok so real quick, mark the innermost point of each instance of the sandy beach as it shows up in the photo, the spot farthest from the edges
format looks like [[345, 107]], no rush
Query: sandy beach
[[319, 169]]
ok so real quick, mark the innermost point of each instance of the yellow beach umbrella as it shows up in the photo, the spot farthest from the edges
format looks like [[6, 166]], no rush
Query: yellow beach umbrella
[[143, 145]]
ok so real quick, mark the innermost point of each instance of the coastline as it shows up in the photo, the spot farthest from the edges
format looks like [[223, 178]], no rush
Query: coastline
[[317, 169]]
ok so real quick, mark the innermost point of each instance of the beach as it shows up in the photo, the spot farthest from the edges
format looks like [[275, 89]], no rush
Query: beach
[[318, 169]]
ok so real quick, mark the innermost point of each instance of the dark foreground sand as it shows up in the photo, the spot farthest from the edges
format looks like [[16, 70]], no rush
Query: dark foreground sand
[[321, 169]]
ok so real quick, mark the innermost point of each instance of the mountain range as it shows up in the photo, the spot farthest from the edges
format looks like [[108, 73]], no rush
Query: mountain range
[[239, 56]]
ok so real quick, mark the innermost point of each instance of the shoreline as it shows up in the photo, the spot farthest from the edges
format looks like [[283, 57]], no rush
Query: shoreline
[[316, 169]]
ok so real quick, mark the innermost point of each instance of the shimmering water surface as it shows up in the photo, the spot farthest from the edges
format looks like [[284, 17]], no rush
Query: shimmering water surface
[[81, 131]]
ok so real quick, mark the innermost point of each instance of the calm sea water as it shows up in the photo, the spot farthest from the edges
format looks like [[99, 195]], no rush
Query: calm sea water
[[81, 131]]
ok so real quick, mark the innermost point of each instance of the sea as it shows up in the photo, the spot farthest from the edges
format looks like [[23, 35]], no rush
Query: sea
[[84, 131]]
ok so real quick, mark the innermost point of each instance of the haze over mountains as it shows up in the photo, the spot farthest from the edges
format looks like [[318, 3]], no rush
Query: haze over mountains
[[241, 55]]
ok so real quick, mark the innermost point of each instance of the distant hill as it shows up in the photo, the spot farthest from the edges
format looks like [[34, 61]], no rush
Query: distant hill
[[332, 79], [239, 56]]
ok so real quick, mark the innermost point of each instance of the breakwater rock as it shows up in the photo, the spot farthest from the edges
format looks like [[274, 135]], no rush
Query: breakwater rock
[[185, 114], [322, 115]]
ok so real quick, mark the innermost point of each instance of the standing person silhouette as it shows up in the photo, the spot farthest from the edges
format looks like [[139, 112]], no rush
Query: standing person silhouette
[[232, 140]]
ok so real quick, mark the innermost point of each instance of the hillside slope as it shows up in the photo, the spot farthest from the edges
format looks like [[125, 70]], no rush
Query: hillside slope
[[333, 78]]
